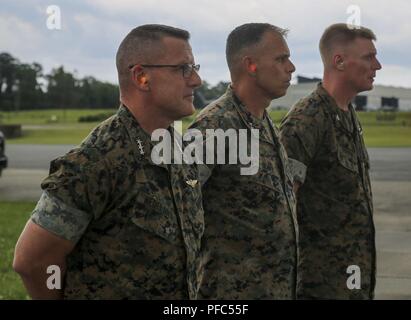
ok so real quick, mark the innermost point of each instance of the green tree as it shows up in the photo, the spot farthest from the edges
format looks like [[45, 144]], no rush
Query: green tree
[[29, 93], [97, 94], [211, 93], [61, 89], [8, 81]]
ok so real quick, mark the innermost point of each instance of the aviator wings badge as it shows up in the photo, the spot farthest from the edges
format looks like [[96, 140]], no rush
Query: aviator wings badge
[[192, 183]]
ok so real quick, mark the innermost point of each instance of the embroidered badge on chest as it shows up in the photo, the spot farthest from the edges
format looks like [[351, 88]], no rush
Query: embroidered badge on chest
[[192, 183]]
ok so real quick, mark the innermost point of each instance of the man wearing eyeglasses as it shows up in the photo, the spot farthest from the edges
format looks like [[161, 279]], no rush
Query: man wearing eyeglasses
[[250, 236], [111, 221]]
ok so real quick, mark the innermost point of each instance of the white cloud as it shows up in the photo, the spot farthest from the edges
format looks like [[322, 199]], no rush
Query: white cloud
[[93, 29], [19, 37]]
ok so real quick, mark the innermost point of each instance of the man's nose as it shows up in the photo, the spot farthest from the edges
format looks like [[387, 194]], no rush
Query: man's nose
[[292, 67], [378, 65], [195, 80]]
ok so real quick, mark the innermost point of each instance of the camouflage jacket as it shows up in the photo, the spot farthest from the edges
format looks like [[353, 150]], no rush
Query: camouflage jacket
[[137, 225], [334, 203], [250, 235]]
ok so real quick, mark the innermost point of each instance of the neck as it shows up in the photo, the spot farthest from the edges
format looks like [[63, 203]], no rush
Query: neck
[[339, 90], [254, 103], [145, 115]]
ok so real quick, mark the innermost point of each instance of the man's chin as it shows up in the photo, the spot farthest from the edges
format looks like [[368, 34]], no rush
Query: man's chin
[[368, 88], [190, 110], [187, 111], [278, 94]]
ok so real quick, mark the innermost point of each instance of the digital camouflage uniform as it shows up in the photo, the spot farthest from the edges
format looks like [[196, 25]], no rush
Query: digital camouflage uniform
[[250, 234], [137, 225], [334, 204]]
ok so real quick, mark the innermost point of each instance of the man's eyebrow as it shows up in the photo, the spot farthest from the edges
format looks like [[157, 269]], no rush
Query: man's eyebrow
[[186, 61], [283, 55], [370, 54]]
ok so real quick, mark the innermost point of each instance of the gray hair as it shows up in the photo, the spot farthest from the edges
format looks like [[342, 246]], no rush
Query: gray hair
[[246, 36], [141, 44]]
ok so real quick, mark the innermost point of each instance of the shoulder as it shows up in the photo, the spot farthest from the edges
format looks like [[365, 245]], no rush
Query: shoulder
[[109, 142], [310, 110], [108, 137], [105, 144], [218, 114]]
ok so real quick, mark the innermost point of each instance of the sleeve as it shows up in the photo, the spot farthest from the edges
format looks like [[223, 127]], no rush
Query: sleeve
[[55, 216], [300, 134], [75, 193]]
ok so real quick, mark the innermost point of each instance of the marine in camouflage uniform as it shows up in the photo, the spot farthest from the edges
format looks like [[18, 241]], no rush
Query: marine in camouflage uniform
[[137, 225], [326, 149], [250, 235]]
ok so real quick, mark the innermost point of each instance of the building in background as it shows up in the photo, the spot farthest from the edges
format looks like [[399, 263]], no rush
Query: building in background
[[381, 97]]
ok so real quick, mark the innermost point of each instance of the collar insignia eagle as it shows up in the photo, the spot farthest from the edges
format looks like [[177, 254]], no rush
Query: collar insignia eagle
[[192, 183]]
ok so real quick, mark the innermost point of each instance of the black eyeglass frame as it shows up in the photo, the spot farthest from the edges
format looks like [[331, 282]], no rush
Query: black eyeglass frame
[[186, 68]]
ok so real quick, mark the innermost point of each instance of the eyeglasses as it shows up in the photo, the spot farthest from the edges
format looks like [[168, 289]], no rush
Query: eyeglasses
[[186, 68]]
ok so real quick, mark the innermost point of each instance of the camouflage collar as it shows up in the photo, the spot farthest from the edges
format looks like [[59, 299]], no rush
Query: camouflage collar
[[140, 139], [251, 121], [332, 108], [325, 96]]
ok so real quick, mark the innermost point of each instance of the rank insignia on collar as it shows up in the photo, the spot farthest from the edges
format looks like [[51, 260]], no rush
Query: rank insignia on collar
[[337, 118], [360, 130], [192, 183], [140, 146]]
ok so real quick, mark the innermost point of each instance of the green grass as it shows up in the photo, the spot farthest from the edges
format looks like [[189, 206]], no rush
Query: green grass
[[402, 119], [277, 116], [65, 135], [54, 126], [38, 130], [13, 217], [46, 116], [387, 136]]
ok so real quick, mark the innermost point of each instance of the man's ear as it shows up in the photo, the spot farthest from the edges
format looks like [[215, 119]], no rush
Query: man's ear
[[338, 62], [250, 66], [140, 78]]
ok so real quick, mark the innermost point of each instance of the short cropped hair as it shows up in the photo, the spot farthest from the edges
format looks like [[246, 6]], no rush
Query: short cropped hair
[[141, 44], [342, 34], [246, 36]]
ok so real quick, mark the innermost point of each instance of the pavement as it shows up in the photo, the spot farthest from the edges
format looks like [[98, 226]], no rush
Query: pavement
[[391, 182]]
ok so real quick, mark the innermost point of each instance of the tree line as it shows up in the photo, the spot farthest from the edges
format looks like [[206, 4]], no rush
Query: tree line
[[25, 86]]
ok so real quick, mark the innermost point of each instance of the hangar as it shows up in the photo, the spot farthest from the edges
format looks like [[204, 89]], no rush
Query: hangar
[[381, 97]]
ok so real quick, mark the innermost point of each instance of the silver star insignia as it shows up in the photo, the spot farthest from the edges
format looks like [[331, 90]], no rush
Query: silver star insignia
[[140, 146]]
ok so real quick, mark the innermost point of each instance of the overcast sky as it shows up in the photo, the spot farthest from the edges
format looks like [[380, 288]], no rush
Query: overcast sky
[[91, 31]]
